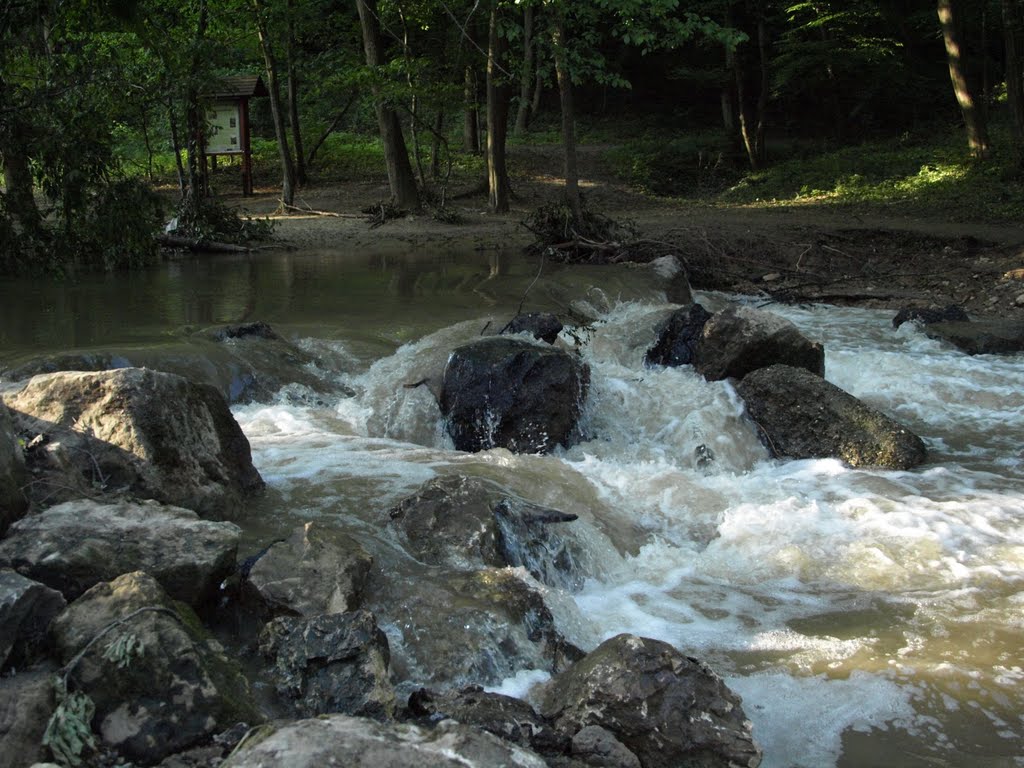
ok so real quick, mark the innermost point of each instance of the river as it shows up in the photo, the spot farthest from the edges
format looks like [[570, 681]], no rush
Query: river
[[866, 617]]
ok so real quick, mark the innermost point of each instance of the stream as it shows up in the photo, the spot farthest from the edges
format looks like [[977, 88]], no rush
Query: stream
[[866, 617]]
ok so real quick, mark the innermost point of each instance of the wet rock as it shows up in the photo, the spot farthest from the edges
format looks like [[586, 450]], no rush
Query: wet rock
[[506, 717], [541, 325], [138, 432], [13, 477], [664, 707], [676, 282], [160, 683], [800, 415], [360, 743], [678, 337], [467, 628], [981, 337], [253, 330], [741, 339], [331, 663], [26, 610], [508, 393], [598, 747], [929, 315], [74, 545], [467, 523], [316, 570], [26, 704]]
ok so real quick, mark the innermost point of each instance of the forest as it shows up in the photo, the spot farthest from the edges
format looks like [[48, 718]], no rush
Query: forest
[[102, 117]]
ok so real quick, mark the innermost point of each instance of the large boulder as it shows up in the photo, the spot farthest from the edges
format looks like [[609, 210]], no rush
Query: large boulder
[[331, 663], [13, 477], [802, 416], [742, 339], [981, 337], [152, 435], [160, 683], [74, 545], [359, 743], [26, 610], [666, 708], [315, 570], [467, 523], [511, 393], [26, 703], [678, 337]]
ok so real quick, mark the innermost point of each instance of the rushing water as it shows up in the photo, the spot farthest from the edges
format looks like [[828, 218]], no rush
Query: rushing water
[[866, 617]]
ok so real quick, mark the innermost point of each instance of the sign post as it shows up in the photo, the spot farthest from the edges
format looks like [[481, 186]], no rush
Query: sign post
[[227, 121]]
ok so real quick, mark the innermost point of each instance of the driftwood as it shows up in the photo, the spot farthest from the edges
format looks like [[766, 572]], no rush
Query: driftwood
[[201, 246], [314, 212]]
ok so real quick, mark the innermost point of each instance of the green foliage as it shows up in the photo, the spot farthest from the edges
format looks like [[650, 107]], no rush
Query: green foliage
[[213, 221], [69, 732], [119, 227], [125, 648], [688, 166]]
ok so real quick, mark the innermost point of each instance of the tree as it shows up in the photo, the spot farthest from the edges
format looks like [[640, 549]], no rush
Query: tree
[[974, 118], [1013, 39], [497, 115]]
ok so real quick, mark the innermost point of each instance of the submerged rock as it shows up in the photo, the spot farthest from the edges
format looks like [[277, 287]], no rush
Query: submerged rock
[[26, 703], [160, 683], [981, 337], [72, 546], [802, 416], [359, 743], [678, 337], [542, 325], [331, 663], [316, 570], [467, 523], [507, 393], [134, 431], [742, 339], [13, 477], [665, 708], [929, 315], [26, 610]]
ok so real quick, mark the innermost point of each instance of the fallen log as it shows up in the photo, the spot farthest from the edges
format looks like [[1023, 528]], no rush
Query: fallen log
[[201, 246]]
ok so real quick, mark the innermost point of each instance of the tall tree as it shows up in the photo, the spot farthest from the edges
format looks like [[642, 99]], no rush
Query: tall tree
[[974, 118], [498, 185], [277, 108], [1013, 37]]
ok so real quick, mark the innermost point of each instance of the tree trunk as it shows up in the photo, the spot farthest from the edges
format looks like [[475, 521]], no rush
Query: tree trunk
[[400, 177], [762, 96], [526, 75], [293, 99], [471, 112], [977, 133], [564, 76], [1013, 32], [435, 146], [176, 145], [194, 123], [276, 108], [497, 120]]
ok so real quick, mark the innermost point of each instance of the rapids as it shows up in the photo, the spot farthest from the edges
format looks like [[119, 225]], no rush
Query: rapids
[[866, 617]]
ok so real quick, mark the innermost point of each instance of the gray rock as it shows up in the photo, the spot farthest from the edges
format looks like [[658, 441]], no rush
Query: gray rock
[[316, 570], [26, 610], [598, 747], [360, 743], [175, 690], [981, 337], [741, 339], [675, 280], [542, 325], [468, 523], [800, 415], [667, 709], [332, 663], [678, 337], [928, 315], [74, 545], [149, 434], [509, 393], [13, 477], [26, 704]]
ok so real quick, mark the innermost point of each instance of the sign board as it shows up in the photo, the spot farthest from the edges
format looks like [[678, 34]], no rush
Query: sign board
[[224, 128]]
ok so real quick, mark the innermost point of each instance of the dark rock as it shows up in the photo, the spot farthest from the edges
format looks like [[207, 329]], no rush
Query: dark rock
[[678, 337], [666, 708], [316, 570], [26, 610], [598, 747], [26, 704], [506, 717], [149, 434], [741, 339], [174, 691], [331, 663], [508, 393], [981, 337], [542, 325], [803, 416], [257, 330], [929, 315], [78, 544], [467, 523], [13, 477], [359, 743]]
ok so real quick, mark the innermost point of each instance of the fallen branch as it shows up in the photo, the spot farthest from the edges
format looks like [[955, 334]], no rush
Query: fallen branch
[[201, 246], [314, 212]]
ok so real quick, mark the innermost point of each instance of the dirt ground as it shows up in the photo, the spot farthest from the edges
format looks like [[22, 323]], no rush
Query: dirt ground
[[793, 254]]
